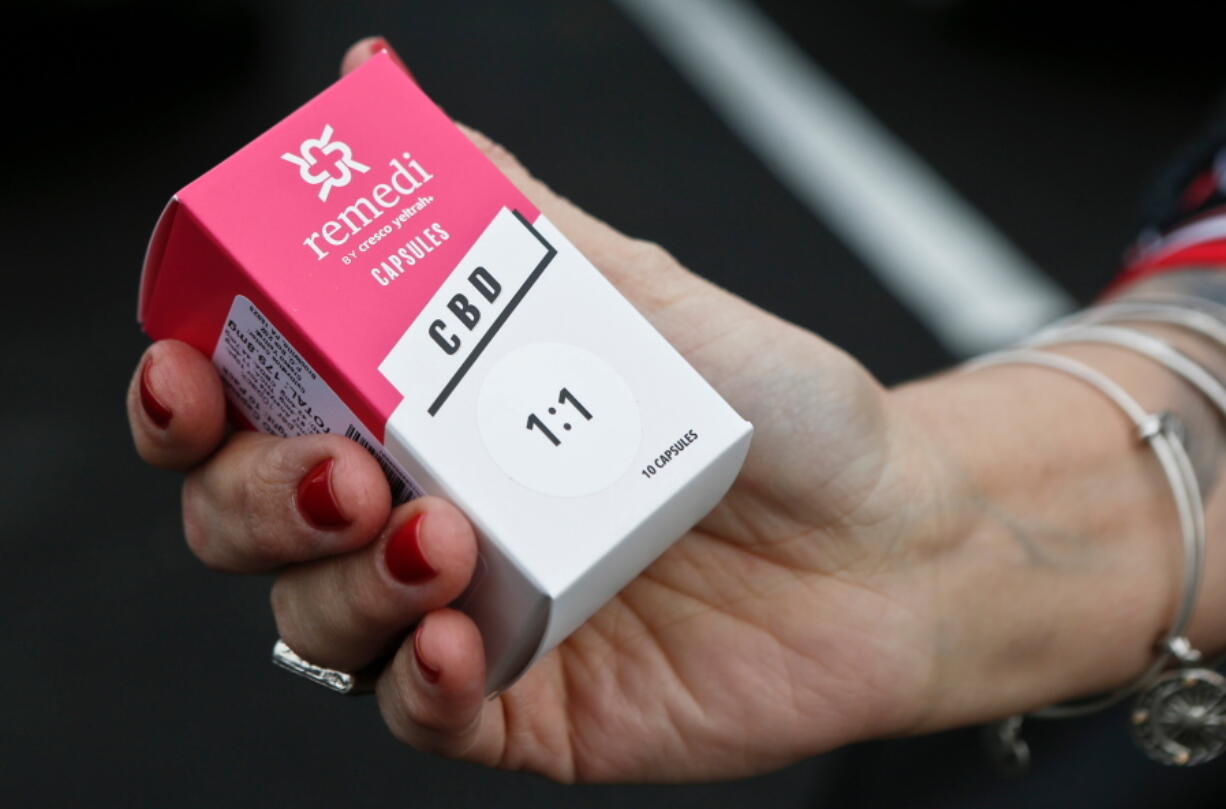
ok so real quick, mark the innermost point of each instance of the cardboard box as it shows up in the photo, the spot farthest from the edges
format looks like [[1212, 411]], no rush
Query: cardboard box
[[362, 269]]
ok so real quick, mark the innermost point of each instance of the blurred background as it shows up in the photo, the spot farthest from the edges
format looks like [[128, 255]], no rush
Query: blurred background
[[915, 181]]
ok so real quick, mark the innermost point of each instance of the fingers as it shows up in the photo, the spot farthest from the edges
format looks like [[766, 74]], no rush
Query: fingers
[[346, 612], [431, 695], [176, 407], [363, 49], [263, 502]]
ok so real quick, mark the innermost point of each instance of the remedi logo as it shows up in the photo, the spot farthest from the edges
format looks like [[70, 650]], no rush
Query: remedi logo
[[330, 164], [343, 164]]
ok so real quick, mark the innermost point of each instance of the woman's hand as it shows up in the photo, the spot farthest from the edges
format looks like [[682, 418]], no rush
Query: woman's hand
[[860, 579]]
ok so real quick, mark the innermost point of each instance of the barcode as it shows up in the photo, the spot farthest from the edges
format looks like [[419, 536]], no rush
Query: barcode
[[402, 489]]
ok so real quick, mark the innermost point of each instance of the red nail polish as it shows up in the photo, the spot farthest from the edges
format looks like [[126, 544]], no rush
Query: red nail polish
[[403, 554], [381, 44], [429, 672], [158, 413], [317, 501]]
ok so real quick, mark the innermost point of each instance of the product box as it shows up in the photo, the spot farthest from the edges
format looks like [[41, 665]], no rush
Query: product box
[[362, 269]]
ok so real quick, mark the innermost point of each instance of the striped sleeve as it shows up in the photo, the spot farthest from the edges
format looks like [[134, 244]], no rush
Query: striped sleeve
[[1185, 215]]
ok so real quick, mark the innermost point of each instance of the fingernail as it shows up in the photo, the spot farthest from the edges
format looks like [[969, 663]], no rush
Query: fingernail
[[158, 413], [429, 672], [404, 557], [381, 44], [317, 501]]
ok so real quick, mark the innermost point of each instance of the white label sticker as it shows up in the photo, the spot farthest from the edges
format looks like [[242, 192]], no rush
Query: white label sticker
[[559, 419], [271, 384], [433, 357]]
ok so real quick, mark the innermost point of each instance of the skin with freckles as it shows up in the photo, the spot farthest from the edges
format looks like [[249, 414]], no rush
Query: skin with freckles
[[888, 562]]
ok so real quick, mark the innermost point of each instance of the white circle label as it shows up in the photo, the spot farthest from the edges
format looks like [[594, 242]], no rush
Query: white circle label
[[558, 419]]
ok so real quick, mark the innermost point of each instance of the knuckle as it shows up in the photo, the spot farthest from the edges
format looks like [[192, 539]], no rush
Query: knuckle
[[261, 542], [482, 141], [395, 703], [371, 606], [262, 518], [284, 613], [657, 275], [277, 599], [413, 724], [496, 153], [195, 527], [499, 154], [647, 256]]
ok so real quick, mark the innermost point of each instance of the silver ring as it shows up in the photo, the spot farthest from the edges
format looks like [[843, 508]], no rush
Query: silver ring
[[342, 682]]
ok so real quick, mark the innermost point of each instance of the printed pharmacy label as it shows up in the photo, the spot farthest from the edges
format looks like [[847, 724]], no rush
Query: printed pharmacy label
[[279, 393]]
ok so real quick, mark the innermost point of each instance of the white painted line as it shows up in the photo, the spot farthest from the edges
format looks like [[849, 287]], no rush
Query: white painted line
[[938, 255]]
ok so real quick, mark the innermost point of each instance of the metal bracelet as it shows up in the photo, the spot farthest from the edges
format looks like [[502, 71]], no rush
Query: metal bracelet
[[1189, 302], [1202, 322], [1157, 349], [1161, 723]]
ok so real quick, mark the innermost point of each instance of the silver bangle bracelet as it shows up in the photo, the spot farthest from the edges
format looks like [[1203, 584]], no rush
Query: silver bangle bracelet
[[1155, 348], [1200, 322], [1180, 716], [1189, 302]]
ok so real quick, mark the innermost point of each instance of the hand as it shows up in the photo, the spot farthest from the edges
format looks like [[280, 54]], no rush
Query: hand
[[825, 600], [756, 639]]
